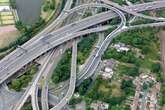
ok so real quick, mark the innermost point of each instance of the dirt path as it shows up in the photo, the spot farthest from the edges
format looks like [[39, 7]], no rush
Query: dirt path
[[8, 34]]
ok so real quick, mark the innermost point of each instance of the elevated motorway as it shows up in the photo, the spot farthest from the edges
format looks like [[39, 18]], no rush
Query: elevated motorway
[[146, 6]]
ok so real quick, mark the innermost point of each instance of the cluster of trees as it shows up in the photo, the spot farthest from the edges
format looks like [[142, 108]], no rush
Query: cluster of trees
[[29, 29], [128, 87], [114, 101], [127, 57], [13, 4], [162, 95], [62, 71], [85, 47], [161, 13], [75, 101], [156, 68], [82, 89], [94, 94], [22, 81], [49, 5]]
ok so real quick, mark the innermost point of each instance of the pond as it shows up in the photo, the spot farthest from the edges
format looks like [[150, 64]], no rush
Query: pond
[[29, 10]]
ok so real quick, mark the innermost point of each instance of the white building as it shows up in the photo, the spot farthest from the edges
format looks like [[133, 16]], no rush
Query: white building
[[121, 47], [98, 105], [104, 106], [108, 73]]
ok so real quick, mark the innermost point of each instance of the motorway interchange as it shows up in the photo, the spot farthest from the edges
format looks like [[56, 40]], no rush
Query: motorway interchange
[[49, 43]]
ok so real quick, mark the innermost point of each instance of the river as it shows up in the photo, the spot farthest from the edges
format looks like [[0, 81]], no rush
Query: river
[[29, 10]]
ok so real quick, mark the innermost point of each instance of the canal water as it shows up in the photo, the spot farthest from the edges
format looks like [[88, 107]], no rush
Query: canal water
[[29, 10]]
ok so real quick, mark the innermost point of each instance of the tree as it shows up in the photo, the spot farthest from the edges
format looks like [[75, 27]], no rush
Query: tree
[[62, 71], [13, 4], [128, 87], [84, 86], [52, 5], [46, 6], [156, 68], [134, 71], [20, 26]]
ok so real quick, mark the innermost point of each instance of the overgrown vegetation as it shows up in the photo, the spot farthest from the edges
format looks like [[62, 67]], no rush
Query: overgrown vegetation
[[13, 4], [19, 83], [62, 71], [82, 89], [85, 47], [75, 101], [102, 90], [127, 57], [49, 5]]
